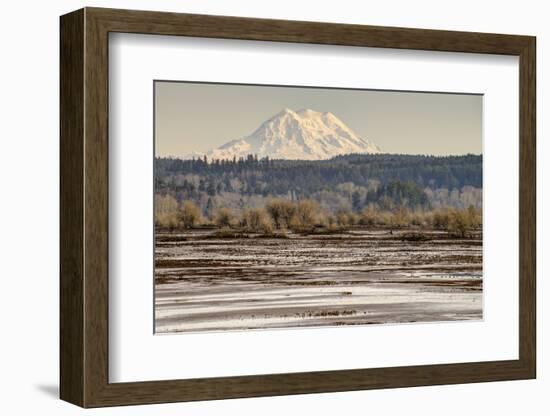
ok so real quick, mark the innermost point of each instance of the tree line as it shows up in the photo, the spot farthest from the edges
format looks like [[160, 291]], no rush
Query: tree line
[[266, 176], [388, 181], [306, 216]]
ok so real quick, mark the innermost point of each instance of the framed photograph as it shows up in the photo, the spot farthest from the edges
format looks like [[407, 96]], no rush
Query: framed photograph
[[255, 207]]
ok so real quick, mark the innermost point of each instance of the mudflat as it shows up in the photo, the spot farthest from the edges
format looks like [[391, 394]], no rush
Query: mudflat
[[207, 282]]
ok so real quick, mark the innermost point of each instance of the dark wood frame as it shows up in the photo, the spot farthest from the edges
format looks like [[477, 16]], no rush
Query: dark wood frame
[[84, 208]]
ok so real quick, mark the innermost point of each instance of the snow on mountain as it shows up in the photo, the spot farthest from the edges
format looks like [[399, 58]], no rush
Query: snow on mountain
[[304, 134]]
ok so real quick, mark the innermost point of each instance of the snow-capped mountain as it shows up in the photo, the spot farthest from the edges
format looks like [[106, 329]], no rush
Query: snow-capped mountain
[[304, 134]]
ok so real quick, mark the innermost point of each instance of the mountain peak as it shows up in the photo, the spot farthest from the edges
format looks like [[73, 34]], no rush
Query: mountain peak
[[304, 134], [307, 112], [285, 111]]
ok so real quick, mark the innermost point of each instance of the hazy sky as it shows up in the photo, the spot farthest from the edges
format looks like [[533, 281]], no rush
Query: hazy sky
[[197, 117]]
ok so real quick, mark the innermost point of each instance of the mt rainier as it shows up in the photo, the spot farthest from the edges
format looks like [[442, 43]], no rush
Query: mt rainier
[[304, 134]]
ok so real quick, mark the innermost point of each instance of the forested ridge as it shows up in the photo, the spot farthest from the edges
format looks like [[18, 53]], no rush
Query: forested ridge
[[265, 176], [387, 179]]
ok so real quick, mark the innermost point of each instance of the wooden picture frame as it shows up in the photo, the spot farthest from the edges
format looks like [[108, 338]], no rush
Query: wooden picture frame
[[84, 207]]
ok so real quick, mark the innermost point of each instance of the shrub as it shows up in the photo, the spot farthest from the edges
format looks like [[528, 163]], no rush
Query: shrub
[[189, 214], [400, 217], [166, 209], [353, 218], [257, 220], [281, 212], [344, 219], [474, 217], [440, 219], [228, 233], [368, 217], [166, 220], [224, 218], [305, 213], [331, 221], [458, 223], [385, 218], [418, 219]]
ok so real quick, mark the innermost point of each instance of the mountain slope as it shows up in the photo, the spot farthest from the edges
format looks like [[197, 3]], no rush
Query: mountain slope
[[304, 135]]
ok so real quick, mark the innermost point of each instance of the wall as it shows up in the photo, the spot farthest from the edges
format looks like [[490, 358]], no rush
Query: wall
[[29, 218]]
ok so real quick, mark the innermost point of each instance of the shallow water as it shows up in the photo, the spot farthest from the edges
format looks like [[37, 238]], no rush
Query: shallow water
[[362, 277]]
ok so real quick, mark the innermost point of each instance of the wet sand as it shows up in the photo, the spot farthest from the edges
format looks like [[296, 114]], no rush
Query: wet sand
[[204, 283]]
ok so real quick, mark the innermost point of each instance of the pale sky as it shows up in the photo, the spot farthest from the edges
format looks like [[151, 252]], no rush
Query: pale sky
[[195, 117]]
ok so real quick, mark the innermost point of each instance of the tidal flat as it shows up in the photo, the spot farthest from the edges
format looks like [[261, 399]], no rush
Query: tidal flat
[[208, 282]]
